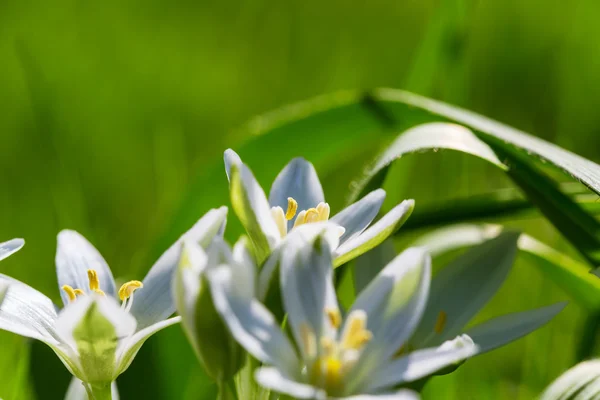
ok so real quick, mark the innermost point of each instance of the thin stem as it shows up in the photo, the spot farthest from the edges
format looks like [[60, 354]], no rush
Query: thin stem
[[100, 392], [227, 390]]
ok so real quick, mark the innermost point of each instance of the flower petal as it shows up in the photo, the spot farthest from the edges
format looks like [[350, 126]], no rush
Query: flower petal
[[251, 324], [581, 382], [306, 280], [356, 217], [252, 208], [465, 286], [154, 302], [395, 300], [419, 364], [74, 257], [375, 234], [402, 394], [272, 379], [507, 328], [94, 325], [9, 247], [27, 312], [299, 180], [130, 347], [231, 158], [77, 391]]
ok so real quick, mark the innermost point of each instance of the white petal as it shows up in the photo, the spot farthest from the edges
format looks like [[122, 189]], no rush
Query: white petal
[[507, 328], [231, 158], [27, 312], [154, 302], [251, 324], [299, 180], [306, 279], [130, 347], [272, 379], [10, 247], [356, 217], [574, 383], [252, 208], [395, 300], [375, 234], [465, 286], [417, 365], [403, 394], [74, 257]]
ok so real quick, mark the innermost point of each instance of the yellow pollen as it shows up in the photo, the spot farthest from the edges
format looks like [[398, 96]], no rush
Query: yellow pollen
[[128, 288], [323, 210], [312, 215], [441, 322], [309, 341], [328, 346], [334, 317], [291, 208], [94, 282], [78, 292], [70, 292], [356, 335]]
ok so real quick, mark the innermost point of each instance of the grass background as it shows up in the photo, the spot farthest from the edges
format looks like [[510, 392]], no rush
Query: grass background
[[110, 111]]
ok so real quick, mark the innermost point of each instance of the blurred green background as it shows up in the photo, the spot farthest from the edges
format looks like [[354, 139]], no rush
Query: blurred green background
[[114, 114]]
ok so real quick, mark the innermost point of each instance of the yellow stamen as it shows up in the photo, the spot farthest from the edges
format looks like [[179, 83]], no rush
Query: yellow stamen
[[333, 372], [94, 281], [70, 292], [328, 345], [291, 208], [78, 292], [312, 215], [334, 317], [280, 221], [300, 218], [128, 288], [356, 335], [323, 210], [441, 322], [309, 341]]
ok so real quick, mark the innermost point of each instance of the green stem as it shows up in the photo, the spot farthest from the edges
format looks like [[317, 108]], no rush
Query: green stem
[[99, 392], [227, 390]]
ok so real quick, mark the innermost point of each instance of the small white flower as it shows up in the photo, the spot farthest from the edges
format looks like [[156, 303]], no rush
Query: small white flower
[[335, 356], [95, 337], [296, 198]]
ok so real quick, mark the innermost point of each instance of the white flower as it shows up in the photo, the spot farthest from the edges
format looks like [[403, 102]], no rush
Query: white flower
[[95, 337], [296, 198], [335, 356]]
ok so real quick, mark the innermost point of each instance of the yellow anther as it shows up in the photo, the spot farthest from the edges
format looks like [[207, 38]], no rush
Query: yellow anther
[[291, 208], [280, 221], [334, 317], [93, 278], [312, 215], [309, 341], [128, 288], [70, 292], [356, 335], [300, 218], [323, 210], [94, 282], [441, 322], [78, 292]]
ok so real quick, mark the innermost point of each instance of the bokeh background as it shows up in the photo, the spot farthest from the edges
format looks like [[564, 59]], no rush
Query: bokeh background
[[114, 116]]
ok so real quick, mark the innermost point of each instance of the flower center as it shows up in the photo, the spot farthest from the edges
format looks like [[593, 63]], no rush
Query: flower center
[[125, 292], [336, 356], [319, 213]]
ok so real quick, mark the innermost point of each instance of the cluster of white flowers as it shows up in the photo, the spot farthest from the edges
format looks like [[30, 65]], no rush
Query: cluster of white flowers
[[272, 296]]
